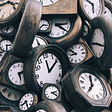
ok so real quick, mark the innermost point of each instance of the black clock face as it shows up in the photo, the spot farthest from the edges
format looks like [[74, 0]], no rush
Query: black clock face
[[48, 69]]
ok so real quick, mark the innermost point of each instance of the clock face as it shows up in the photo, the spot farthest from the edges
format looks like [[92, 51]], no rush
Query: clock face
[[60, 27], [97, 42], [92, 7], [107, 12], [15, 73], [38, 41], [26, 101], [91, 86], [40, 110], [7, 7], [6, 45], [76, 53], [51, 92], [10, 94], [48, 69], [47, 2], [43, 25]]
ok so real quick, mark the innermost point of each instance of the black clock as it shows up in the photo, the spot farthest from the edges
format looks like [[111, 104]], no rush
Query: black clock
[[87, 88]]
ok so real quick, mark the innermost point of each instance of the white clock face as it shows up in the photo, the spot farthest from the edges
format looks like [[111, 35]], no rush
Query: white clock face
[[38, 41], [48, 69], [40, 110], [97, 42], [60, 27], [92, 7], [43, 25], [15, 73], [52, 92], [10, 94], [47, 2], [91, 86], [26, 101], [7, 7], [107, 12], [76, 53], [6, 45]]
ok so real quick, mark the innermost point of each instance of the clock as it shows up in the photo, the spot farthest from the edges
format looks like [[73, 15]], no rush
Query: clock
[[27, 29], [28, 101], [108, 8], [45, 64], [91, 8], [89, 87], [10, 11], [52, 92], [80, 52], [12, 74], [39, 40], [49, 106], [100, 41], [44, 26], [5, 45], [64, 31]]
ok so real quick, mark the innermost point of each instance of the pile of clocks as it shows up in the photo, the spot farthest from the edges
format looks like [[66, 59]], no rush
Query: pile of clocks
[[55, 56]]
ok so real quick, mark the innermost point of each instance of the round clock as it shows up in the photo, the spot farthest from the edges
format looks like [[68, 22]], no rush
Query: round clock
[[100, 40], [64, 31], [28, 101], [52, 92], [10, 11], [91, 8], [49, 106], [5, 45], [47, 2], [44, 26], [90, 88], [38, 40], [46, 64]]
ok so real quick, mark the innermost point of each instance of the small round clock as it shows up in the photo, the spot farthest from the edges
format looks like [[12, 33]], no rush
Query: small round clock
[[52, 92], [49, 106], [91, 8], [10, 11], [28, 101], [100, 41], [47, 2], [64, 31], [90, 88], [46, 64]]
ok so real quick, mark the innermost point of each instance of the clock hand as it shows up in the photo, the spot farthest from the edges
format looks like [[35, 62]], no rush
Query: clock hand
[[24, 103], [7, 46], [19, 74], [54, 92], [42, 26], [37, 42], [74, 53], [96, 43], [50, 69], [91, 4], [57, 25]]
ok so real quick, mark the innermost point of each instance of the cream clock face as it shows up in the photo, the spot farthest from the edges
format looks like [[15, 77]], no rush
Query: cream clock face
[[92, 7], [91, 86], [47, 2], [7, 7], [97, 42], [48, 69]]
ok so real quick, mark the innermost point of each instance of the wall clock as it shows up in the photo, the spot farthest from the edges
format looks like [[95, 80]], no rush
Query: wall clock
[[64, 31], [80, 52], [49, 106], [27, 29], [10, 11], [46, 64], [52, 92], [12, 74], [100, 41], [39, 40], [28, 101], [91, 8], [90, 88], [44, 26]]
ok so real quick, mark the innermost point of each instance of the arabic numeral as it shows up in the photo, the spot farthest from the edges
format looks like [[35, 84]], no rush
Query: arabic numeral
[[37, 67], [39, 61], [45, 56], [57, 81], [37, 76], [41, 83]]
